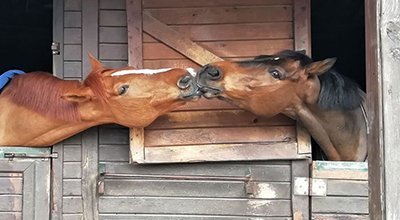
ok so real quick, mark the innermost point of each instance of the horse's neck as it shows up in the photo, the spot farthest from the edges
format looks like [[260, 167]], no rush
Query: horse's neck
[[345, 130], [22, 127]]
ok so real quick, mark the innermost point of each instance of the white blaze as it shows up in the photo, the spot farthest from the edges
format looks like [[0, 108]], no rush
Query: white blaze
[[140, 71]]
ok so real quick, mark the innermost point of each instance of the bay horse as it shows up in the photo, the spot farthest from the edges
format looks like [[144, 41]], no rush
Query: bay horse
[[38, 109], [328, 104]]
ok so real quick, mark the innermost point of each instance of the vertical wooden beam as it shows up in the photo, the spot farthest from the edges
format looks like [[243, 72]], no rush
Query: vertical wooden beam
[[135, 59], [389, 60], [58, 36], [300, 203], [374, 109], [302, 25], [90, 142]]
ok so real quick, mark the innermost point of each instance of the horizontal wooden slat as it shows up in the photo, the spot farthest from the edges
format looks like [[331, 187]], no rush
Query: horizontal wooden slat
[[330, 204], [10, 203], [113, 35], [72, 153], [113, 51], [194, 206], [219, 135], [118, 136], [207, 104], [172, 63], [10, 185], [217, 118], [181, 217], [72, 187], [221, 15], [112, 18], [340, 170], [176, 188], [119, 153], [219, 32], [220, 152], [114, 4], [72, 170], [208, 3], [339, 217], [271, 171], [347, 188], [72, 204], [11, 215], [224, 49]]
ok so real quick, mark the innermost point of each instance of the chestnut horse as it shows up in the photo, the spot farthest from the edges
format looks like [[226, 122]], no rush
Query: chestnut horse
[[38, 109], [328, 104]]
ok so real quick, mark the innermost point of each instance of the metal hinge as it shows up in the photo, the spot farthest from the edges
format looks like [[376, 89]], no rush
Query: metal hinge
[[55, 48], [304, 186], [11, 156]]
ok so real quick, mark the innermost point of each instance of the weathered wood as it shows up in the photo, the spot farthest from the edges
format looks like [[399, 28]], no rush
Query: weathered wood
[[340, 170], [113, 51], [57, 183], [302, 25], [189, 188], [73, 5], [207, 104], [73, 69], [389, 61], [195, 136], [113, 135], [11, 215], [137, 138], [73, 52], [115, 4], [182, 217], [72, 36], [72, 170], [303, 139], [273, 171], [72, 204], [347, 188], [216, 118], [208, 3], [72, 217], [72, 19], [300, 203], [173, 39], [220, 32], [114, 35], [224, 49], [112, 18], [72, 153], [114, 153], [221, 152], [345, 205], [10, 203], [339, 217], [195, 206], [374, 110], [170, 63], [10, 185], [223, 15], [90, 155], [72, 187]]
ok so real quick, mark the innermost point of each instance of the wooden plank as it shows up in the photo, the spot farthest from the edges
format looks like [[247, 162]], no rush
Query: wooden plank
[[195, 206], [271, 171], [114, 4], [302, 25], [72, 36], [303, 139], [58, 36], [223, 15], [170, 63], [72, 19], [225, 49], [10, 185], [72, 153], [72, 187], [28, 194], [190, 188], [112, 18], [339, 217], [72, 204], [261, 135], [340, 170], [110, 135], [217, 118], [72, 170], [219, 32], [137, 146], [41, 204], [300, 203], [208, 3], [221, 152], [174, 39], [11, 215], [374, 110], [72, 52], [113, 35], [90, 161], [182, 217], [113, 52], [72, 69], [347, 188], [72, 217], [114, 153], [73, 5], [344, 205], [10, 203], [57, 183], [207, 104]]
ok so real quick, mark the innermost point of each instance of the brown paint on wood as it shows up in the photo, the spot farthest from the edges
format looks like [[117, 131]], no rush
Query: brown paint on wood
[[170, 63], [207, 104], [219, 136], [302, 25], [207, 3], [174, 39], [223, 15]]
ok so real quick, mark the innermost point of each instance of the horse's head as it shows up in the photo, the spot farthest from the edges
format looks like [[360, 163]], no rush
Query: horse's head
[[133, 98], [266, 85]]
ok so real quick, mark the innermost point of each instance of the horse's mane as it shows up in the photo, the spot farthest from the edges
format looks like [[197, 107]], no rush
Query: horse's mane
[[337, 91], [42, 92]]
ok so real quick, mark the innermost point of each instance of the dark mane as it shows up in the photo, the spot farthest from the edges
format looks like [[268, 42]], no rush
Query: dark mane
[[337, 91], [41, 92]]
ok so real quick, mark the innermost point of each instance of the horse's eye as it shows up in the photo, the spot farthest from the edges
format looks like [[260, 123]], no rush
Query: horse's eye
[[275, 73], [123, 90]]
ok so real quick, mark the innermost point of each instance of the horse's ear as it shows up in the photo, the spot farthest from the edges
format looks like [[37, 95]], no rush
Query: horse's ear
[[79, 95], [302, 51], [95, 63], [320, 67]]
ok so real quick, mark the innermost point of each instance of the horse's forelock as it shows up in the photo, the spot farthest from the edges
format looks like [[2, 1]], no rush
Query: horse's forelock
[[95, 82]]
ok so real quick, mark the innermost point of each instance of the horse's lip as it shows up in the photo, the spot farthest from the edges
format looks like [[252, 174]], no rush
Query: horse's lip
[[193, 95]]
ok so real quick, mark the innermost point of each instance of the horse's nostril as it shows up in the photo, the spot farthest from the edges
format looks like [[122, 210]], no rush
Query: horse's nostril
[[184, 82], [213, 73]]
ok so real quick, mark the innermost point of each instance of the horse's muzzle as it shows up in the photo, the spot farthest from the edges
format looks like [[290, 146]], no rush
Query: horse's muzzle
[[206, 76], [189, 87]]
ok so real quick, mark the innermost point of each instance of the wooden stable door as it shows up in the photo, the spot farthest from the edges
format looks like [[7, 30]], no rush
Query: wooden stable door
[[175, 33]]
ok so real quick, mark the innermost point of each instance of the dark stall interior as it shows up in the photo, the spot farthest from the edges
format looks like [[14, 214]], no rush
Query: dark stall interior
[[337, 31]]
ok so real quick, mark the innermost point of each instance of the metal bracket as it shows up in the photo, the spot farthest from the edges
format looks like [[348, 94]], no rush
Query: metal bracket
[[301, 186], [318, 187], [55, 48], [11, 156]]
